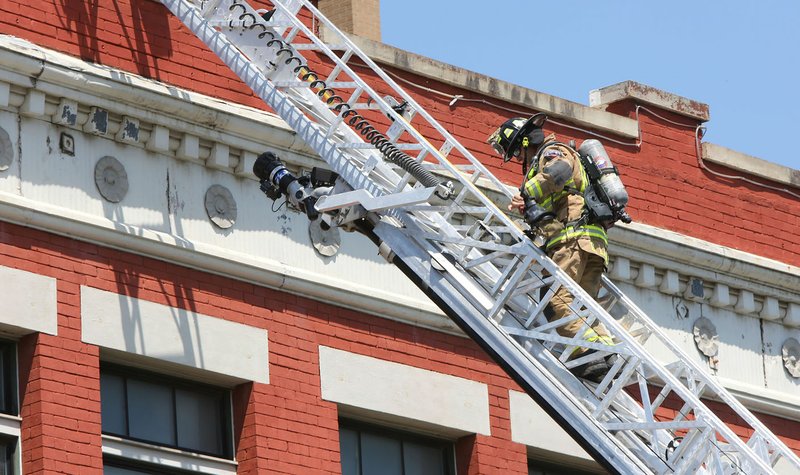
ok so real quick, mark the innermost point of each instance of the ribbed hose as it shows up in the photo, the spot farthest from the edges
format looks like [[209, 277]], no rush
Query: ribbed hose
[[358, 122]]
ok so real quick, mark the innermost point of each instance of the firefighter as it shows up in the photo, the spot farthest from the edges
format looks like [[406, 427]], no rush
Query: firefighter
[[551, 201]]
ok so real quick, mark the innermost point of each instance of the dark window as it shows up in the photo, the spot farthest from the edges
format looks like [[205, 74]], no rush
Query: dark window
[[8, 447], [165, 411], [372, 450], [8, 378]]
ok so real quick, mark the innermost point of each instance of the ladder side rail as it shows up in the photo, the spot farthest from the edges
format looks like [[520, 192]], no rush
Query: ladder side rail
[[400, 91], [650, 366], [632, 425], [253, 76], [453, 171], [708, 383], [653, 366], [311, 102], [540, 383], [471, 295], [498, 214], [408, 98], [303, 125]]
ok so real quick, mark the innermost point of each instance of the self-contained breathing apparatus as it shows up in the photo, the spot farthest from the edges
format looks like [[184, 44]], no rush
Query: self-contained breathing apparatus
[[604, 194]]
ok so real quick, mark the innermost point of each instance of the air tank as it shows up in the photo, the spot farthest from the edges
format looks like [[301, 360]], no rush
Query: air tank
[[609, 178]]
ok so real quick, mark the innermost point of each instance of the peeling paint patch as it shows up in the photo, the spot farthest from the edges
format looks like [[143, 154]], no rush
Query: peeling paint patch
[[98, 122]]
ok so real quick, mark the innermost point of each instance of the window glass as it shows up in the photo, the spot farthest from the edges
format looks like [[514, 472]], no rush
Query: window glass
[[348, 442], [373, 450], [112, 404], [419, 459], [196, 412], [165, 411], [380, 455], [151, 413], [8, 447]]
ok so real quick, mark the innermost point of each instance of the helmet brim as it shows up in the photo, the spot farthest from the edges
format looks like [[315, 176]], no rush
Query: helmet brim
[[535, 121]]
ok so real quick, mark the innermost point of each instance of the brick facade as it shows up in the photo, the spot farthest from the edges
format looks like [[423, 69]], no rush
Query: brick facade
[[667, 187], [286, 426]]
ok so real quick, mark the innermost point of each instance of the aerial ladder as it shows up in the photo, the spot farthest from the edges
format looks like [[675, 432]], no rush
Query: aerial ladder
[[419, 195]]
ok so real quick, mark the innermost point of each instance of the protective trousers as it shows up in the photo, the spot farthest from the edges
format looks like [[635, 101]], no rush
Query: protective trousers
[[586, 269]]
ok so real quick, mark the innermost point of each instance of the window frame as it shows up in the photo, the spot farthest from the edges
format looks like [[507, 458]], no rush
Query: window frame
[[144, 467], [175, 383], [446, 445]]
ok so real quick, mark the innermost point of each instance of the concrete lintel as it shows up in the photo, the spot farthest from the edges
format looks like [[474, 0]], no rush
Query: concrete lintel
[[751, 165], [174, 335], [502, 91], [394, 390], [604, 96]]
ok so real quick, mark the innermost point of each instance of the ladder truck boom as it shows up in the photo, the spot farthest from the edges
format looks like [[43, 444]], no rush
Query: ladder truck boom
[[417, 196]]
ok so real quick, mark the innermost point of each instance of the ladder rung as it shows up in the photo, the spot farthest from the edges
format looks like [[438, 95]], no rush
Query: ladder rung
[[476, 261]]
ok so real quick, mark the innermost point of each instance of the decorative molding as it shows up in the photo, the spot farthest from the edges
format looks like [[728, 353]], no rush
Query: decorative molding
[[220, 206], [111, 179], [790, 353]]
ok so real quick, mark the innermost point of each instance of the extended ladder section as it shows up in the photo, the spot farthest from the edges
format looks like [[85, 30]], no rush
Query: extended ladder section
[[422, 193]]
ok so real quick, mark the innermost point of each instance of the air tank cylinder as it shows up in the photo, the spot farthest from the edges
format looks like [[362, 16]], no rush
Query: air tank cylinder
[[609, 178]]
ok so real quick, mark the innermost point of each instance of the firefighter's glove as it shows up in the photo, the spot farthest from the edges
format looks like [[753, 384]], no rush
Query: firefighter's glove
[[534, 214]]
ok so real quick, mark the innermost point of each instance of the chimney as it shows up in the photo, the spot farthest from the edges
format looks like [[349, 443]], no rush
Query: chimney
[[358, 17]]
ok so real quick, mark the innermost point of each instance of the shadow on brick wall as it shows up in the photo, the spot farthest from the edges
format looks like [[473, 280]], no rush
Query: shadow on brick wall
[[133, 31]]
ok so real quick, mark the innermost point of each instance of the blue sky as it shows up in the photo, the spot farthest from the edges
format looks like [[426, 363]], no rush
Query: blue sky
[[742, 58]]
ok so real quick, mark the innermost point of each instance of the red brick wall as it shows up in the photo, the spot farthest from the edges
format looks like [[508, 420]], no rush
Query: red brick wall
[[286, 425], [667, 186], [282, 427]]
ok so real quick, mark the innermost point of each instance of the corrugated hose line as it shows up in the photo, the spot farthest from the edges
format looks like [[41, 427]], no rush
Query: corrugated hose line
[[358, 122]]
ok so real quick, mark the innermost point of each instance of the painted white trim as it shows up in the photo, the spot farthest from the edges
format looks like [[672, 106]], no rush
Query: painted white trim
[[144, 328], [10, 425], [222, 261], [751, 165], [776, 403], [168, 457], [688, 251], [401, 391], [133, 95]]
